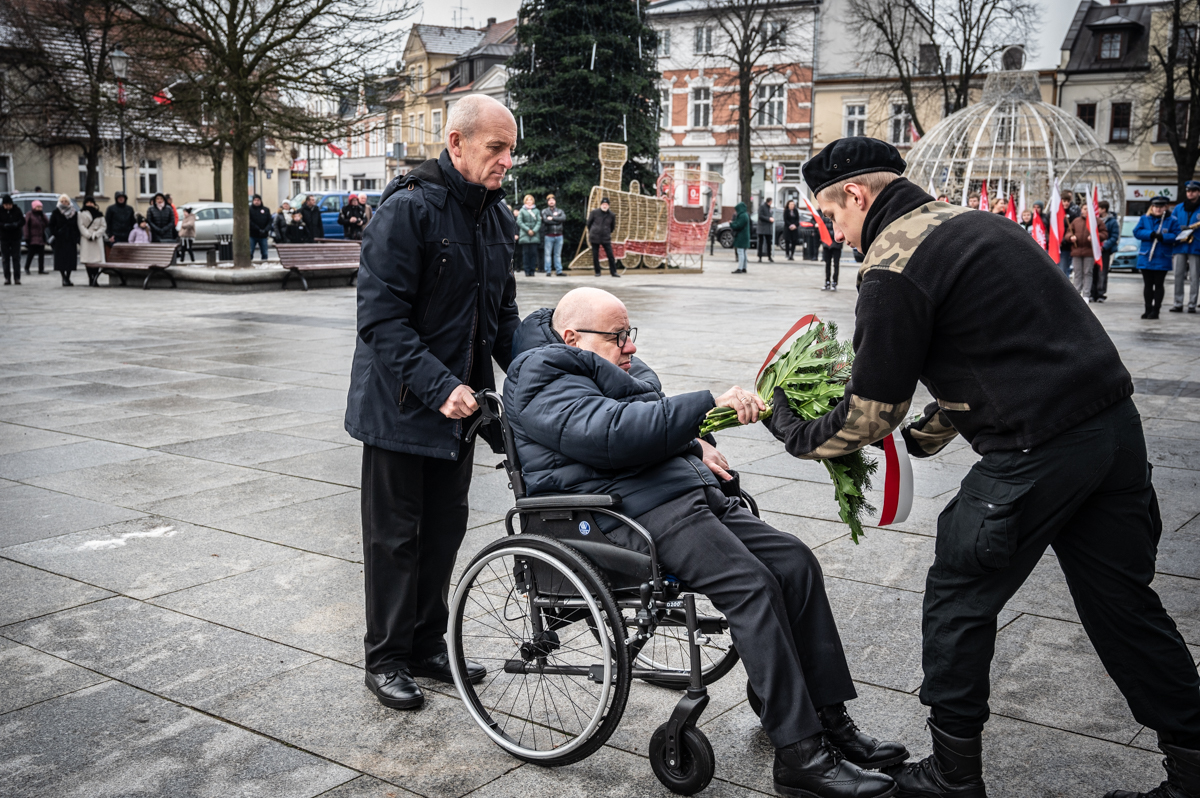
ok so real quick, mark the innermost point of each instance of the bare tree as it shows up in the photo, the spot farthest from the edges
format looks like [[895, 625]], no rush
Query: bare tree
[[1173, 85], [935, 48], [282, 69], [757, 38]]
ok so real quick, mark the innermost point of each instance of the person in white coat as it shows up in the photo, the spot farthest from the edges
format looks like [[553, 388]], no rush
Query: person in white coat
[[92, 231]]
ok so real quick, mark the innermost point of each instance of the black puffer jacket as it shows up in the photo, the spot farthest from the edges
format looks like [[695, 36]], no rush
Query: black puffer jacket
[[12, 223], [260, 221], [583, 425], [436, 302], [119, 220], [312, 220], [600, 226], [162, 223]]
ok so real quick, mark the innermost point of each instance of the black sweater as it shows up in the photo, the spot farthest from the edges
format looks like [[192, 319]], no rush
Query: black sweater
[[970, 305]]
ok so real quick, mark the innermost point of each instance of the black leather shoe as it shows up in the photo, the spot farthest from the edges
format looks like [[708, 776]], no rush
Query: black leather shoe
[[814, 768], [1177, 310], [955, 769], [1183, 776], [396, 689], [861, 749], [437, 668]]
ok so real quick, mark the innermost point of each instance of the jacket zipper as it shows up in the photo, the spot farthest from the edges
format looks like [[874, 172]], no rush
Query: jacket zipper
[[433, 292]]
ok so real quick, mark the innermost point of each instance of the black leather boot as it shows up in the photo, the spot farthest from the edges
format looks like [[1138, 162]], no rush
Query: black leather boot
[[1183, 776], [861, 749], [437, 667], [396, 689], [955, 768], [815, 768]]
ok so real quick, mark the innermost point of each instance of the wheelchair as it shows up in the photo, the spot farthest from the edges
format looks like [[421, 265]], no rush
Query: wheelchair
[[564, 619]]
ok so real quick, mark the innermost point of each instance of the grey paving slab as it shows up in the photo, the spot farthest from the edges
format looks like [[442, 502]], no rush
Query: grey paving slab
[[180, 405], [367, 787], [341, 465], [151, 431], [155, 649], [27, 592], [813, 531], [29, 513], [1178, 492], [114, 740], [59, 414], [784, 465], [1045, 593], [281, 420], [149, 556], [325, 708], [881, 557], [248, 448], [311, 602], [153, 477], [1173, 452], [331, 525], [18, 438], [1179, 551], [333, 430], [28, 676], [99, 393], [1181, 598], [318, 400], [1173, 428], [12, 383], [1054, 661], [68, 457], [219, 387], [133, 376], [216, 504]]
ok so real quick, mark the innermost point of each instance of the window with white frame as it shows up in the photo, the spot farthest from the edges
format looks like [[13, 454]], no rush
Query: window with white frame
[[703, 40], [664, 42], [771, 105], [664, 108], [6, 175], [900, 124], [421, 132], [855, 118], [435, 118], [701, 107], [357, 145], [377, 142], [775, 33], [411, 138], [83, 175], [149, 177]]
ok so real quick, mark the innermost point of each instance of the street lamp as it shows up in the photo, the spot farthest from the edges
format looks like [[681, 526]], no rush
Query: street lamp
[[119, 60]]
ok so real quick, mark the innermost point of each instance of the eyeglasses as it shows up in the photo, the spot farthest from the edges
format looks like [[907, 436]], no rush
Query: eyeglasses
[[621, 335]]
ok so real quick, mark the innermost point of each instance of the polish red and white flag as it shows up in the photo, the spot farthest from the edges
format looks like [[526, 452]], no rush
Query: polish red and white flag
[[984, 205], [897, 481], [1093, 208], [1038, 230], [1058, 217], [826, 238]]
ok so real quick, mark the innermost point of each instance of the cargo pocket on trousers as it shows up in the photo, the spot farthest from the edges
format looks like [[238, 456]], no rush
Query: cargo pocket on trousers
[[980, 530]]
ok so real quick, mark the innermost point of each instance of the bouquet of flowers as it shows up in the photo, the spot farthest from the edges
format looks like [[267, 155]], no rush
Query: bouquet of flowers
[[813, 374]]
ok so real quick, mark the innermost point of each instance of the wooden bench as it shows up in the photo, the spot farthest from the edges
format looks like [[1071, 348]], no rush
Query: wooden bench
[[139, 259], [334, 260]]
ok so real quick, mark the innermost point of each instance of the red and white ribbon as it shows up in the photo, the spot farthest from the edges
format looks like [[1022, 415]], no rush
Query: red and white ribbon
[[897, 481]]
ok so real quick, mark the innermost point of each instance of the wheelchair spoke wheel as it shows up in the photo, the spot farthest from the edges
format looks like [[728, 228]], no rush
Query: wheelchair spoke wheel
[[667, 651], [546, 627]]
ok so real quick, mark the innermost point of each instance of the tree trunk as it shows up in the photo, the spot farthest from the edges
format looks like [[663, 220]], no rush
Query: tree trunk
[[241, 205], [217, 152], [92, 158], [745, 167]]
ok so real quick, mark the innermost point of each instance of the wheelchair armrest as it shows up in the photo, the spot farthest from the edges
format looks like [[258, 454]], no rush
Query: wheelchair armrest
[[573, 501]]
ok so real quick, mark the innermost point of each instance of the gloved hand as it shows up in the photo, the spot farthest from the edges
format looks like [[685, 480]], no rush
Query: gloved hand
[[783, 421], [1156, 236]]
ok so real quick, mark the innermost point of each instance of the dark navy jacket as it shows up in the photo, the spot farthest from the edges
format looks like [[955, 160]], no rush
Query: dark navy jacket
[[583, 425], [436, 302]]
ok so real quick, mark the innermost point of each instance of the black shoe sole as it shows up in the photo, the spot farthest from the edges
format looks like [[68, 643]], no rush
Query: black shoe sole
[[796, 792], [395, 703], [886, 763]]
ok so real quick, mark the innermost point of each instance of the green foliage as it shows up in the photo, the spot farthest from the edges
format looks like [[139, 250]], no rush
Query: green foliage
[[813, 373], [567, 108]]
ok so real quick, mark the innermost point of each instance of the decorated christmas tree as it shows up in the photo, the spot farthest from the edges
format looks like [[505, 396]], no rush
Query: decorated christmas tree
[[584, 72]]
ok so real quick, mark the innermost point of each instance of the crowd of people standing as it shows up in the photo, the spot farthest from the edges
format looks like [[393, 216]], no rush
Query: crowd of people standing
[[540, 235]]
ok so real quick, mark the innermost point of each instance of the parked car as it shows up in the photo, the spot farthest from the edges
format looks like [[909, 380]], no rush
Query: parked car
[[725, 235], [24, 201], [330, 203], [212, 219], [1127, 248]]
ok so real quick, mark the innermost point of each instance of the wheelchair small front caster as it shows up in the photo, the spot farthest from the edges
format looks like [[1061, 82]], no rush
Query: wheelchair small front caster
[[686, 767]]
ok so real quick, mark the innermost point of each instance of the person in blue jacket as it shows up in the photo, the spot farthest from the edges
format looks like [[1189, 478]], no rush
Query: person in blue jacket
[[1187, 248], [1157, 231]]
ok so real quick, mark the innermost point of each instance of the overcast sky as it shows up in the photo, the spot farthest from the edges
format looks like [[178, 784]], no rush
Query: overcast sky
[[1053, 27]]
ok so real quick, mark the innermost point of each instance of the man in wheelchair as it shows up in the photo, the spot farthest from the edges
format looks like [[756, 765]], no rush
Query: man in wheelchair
[[590, 418]]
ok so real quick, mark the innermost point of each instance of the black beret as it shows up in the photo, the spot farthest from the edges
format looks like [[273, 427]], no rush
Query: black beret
[[1160, 200], [855, 155]]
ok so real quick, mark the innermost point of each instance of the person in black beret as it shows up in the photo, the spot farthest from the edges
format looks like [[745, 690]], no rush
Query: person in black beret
[[969, 305]]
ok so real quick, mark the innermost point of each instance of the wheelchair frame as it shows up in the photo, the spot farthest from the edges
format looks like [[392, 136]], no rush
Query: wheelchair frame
[[680, 755]]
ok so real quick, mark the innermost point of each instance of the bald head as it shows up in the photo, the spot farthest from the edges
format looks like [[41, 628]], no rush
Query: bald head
[[480, 136], [585, 317]]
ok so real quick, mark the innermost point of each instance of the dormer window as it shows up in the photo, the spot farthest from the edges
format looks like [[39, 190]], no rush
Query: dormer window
[[1111, 45]]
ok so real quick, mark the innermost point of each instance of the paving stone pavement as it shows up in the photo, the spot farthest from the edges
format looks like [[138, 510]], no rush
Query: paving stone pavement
[[181, 561]]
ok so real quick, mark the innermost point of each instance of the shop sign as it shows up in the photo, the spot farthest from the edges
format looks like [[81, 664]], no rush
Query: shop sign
[[1145, 193]]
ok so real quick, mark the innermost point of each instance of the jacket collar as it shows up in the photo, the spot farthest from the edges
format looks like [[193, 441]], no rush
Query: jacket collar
[[473, 196], [897, 198]]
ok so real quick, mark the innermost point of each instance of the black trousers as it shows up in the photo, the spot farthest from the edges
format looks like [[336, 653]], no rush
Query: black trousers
[[764, 246], [1088, 495], [789, 245], [40, 251], [414, 516], [1100, 277], [530, 258], [834, 257], [608, 250], [1152, 288], [770, 587], [10, 256]]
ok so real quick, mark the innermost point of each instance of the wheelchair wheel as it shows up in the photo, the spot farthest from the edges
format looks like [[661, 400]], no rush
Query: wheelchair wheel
[[546, 627], [667, 652], [693, 766]]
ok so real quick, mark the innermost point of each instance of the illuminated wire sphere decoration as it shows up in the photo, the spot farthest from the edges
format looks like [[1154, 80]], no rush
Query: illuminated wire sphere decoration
[[1012, 138]]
